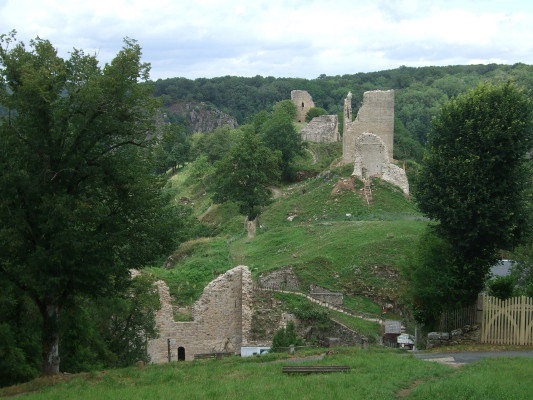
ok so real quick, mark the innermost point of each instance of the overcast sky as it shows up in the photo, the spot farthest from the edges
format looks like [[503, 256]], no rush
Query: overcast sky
[[209, 38]]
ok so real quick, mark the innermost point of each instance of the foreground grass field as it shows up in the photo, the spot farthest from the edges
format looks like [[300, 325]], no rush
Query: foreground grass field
[[377, 373]]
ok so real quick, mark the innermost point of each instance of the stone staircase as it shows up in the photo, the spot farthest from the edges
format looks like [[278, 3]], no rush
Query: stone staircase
[[367, 191]]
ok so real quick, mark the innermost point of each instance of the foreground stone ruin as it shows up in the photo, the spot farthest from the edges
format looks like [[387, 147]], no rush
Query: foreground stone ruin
[[221, 320]]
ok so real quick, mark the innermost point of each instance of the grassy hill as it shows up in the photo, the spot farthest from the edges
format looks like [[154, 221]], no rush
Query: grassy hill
[[322, 227]]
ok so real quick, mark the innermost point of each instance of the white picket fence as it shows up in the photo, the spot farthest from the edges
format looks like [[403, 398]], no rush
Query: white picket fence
[[507, 322]]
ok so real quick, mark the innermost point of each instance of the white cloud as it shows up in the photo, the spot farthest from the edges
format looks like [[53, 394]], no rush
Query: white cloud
[[198, 38]]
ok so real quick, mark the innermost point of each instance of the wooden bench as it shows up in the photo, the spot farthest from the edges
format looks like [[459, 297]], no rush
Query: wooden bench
[[218, 356], [312, 369]]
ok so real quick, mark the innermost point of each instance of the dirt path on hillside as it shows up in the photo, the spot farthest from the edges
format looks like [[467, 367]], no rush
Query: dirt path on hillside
[[276, 192], [313, 154], [201, 216]]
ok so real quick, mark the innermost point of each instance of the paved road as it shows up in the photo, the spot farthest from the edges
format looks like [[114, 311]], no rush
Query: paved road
[[471, 356]]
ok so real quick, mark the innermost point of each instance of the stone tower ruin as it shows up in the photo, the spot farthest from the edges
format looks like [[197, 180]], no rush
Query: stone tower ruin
[[303, 101], [368, 140], [376, 116]]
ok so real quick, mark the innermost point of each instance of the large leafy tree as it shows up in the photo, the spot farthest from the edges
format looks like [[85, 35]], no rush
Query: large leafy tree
[[244, 174], [474, 178], [174, 149], [79, 204], [279, 133]]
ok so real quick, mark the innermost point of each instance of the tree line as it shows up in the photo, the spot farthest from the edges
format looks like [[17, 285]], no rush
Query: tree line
[[420, 91]]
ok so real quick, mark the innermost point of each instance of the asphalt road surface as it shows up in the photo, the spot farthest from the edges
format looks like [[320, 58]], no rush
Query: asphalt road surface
[[470, 356]]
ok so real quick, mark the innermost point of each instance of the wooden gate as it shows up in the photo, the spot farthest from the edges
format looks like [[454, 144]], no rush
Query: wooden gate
[[507, 322]]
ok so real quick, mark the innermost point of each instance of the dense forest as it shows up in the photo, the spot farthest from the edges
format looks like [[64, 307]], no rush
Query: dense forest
[[420, 92]]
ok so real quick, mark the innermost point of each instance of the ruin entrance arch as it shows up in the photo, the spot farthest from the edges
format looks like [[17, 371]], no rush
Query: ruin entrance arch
[[181, 353]]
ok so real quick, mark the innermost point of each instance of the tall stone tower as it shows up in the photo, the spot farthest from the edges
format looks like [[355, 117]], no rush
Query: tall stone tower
[[303, 101], [375, 116]]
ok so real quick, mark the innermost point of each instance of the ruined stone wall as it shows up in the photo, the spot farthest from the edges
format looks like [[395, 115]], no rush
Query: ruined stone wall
[[303, 101], [281, 278], [371, 160], [322, 129], [221, 319], [325, 295], [376, 116]]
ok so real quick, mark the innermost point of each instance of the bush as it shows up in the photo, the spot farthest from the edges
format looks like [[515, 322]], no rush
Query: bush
[[286, 337], [502, 287], [314, 112]]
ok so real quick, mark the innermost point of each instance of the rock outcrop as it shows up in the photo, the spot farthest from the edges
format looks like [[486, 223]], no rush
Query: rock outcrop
[[202, 117]]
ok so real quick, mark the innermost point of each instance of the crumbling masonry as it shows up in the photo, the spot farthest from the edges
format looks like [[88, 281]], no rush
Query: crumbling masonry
[[368, 140], [303, 101], [322, 129], [221, 320]]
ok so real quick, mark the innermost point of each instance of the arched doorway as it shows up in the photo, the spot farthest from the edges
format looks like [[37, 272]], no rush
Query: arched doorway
[[181, 353]]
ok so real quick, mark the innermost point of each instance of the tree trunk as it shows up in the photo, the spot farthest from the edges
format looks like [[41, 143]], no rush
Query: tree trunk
[[50, 337]]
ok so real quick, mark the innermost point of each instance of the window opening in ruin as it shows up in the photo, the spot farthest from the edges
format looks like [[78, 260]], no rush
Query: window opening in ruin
[[303, 104], [181, 353]]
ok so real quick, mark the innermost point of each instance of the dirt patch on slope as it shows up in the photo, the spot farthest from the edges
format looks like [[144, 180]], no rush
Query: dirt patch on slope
[[343, 185]]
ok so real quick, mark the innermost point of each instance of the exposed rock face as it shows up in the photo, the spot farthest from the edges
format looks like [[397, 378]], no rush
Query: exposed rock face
[[322, 129], [303, 101], [376, 116], [222, 320], [371, 159], [202, 117]]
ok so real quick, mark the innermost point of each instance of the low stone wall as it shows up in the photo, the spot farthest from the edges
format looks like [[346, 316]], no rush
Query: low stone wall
[[326, 296], [469, 334], [322, 129], [280, 279]]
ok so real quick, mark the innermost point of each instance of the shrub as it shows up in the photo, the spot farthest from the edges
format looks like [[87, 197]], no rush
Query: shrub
[[502, 287], [286, 337]]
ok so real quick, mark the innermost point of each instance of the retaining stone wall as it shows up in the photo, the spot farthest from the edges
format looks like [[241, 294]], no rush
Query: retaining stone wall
[[469, 334]]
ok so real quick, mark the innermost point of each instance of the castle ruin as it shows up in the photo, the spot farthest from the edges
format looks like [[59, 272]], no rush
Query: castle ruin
[[376, 116], [222, 320], [368, 140], [303, 102], [322, 129]]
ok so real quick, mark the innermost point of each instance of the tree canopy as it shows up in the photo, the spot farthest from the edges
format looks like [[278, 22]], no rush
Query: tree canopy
[[278, 133], [314, 112], [244, 174], [79, 204], [474, 178]]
